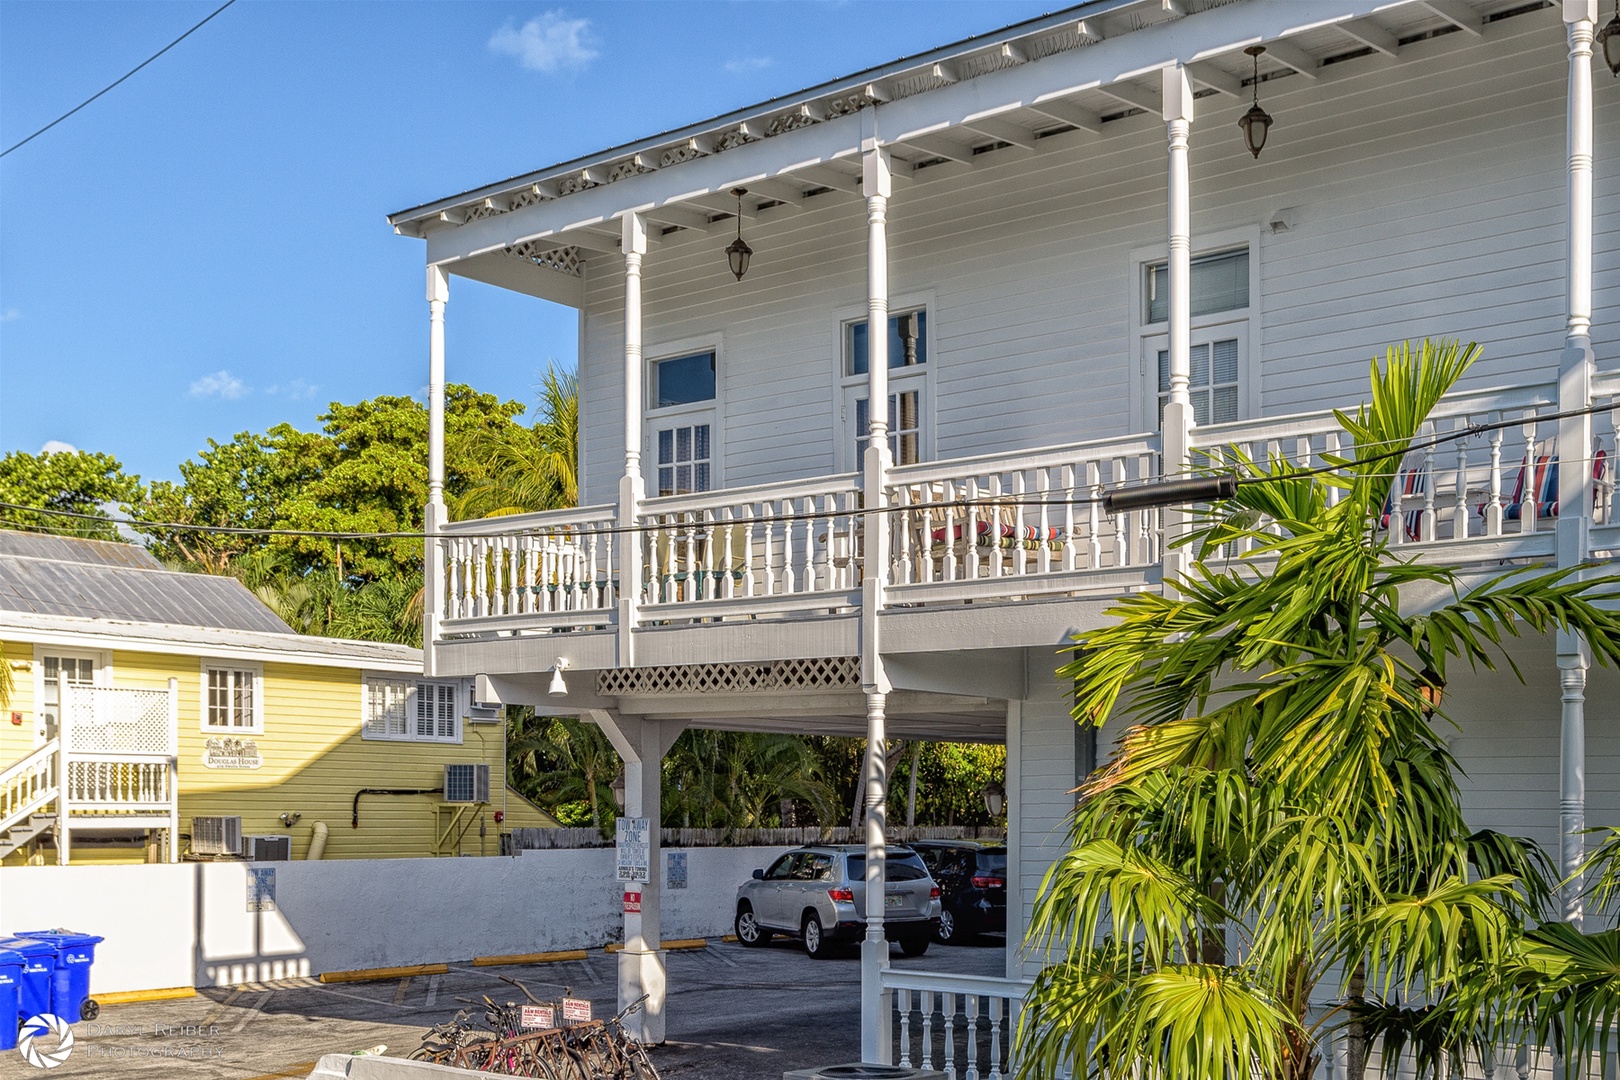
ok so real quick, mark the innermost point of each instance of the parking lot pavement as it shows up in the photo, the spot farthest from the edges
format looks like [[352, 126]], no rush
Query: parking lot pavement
[[733, 1014]]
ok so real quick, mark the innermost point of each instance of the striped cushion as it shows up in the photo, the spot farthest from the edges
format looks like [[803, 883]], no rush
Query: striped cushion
[[1008, 534]]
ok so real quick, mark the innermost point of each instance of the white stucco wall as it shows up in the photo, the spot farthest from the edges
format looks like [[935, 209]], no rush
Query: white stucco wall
[[188, 924]]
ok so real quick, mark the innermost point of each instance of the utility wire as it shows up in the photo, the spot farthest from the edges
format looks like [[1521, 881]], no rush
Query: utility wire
[[996, 501], [131, 71]]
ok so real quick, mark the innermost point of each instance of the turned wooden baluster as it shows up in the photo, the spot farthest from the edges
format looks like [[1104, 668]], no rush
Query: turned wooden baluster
[[902, 1003]]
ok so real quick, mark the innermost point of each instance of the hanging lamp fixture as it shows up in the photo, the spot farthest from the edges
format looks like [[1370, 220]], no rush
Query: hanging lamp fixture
[[738, 252], [1608, 39], [1257, 122]]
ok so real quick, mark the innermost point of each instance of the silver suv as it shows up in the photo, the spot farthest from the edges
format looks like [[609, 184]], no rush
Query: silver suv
[[818, 894]]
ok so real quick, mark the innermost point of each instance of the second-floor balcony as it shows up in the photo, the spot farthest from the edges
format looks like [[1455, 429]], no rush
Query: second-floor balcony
[[1479, 487]]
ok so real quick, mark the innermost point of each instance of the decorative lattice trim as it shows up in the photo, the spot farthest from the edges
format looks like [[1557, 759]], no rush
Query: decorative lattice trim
[[564, 260], [829, 673]]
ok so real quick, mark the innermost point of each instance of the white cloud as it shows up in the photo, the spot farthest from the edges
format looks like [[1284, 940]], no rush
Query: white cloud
[[57, 446], [294, 389], [220, 384], [547, 43], [11, 314], [748, 63]]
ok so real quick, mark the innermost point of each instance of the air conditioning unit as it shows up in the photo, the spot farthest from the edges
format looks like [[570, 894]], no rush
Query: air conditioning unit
[[481, 713], [269, 848], [466, 783], [216, 835]]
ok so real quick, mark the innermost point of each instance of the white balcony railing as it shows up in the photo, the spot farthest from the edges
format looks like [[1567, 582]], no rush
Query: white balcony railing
[[1022, 525], [962, 1025]]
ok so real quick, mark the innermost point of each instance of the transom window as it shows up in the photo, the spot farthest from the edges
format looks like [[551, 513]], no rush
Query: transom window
[[908, 342], [412, 710], [232, 700], [681, 380], [1220, 282], [685, 463]]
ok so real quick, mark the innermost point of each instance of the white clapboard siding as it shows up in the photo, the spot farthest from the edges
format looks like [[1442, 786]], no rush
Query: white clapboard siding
[[1427, 199]]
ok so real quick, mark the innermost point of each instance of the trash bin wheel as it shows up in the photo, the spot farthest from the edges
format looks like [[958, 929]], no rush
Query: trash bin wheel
[[89, 1009]]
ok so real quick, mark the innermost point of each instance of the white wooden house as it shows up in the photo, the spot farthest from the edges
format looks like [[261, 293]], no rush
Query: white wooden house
[[1086, 276]]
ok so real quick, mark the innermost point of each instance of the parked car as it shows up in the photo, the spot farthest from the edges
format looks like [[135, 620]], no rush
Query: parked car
[[973, 886], [818, 894]]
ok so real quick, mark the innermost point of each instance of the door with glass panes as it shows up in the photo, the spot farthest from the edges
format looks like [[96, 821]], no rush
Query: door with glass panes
[[908, 389], [1215, 375], [78, 669]]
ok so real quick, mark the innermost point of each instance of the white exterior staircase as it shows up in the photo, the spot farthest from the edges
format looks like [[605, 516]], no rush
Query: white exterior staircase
[[112, 766]]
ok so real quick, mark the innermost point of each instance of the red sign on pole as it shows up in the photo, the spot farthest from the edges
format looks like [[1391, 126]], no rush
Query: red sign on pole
[[632, 903]]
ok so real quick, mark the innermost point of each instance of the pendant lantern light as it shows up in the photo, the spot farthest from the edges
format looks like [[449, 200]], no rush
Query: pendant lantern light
[[1608, 39], [1257, 122], [738, 252]]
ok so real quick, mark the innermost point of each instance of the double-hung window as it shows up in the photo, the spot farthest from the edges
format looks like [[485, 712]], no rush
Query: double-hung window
[[1221, 383], [412, 710], [232, 699], [681, 416], [908, 387]]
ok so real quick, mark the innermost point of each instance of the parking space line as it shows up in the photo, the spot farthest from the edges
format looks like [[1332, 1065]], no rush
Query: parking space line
[[404, 989], [433, 990], [214, 1014], [252, 1011]]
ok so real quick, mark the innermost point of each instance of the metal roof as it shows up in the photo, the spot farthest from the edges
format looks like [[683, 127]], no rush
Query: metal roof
[[98, 579]]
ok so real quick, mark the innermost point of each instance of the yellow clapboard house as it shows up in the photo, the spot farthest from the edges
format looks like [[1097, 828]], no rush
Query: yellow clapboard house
[[158, 715]]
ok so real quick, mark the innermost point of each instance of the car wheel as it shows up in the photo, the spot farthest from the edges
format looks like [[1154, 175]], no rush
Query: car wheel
[[749, 932], [914, 946], [946, 930], [815, 945]]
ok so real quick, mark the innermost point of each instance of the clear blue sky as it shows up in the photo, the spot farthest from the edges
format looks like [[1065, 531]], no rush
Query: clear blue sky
[[202, 251]]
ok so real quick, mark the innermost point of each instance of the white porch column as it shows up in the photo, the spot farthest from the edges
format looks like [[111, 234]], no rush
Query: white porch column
[[1575, 442], [642, 745], [64, 741], [434, 515], [631, 487], [1178, 413], [876, 185], [173, 770]]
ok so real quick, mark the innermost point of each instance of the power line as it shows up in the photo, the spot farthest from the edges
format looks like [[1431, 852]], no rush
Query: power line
[[1011, 500], [127, 74]]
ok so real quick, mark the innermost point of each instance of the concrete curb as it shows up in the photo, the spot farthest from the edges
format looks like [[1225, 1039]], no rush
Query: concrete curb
[[674, 945], [374, 974], [529, 958], [130, 997]]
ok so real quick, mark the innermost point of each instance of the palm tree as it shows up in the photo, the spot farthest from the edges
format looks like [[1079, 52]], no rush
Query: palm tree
[[540, 472], [564, 760], [1282, 825], [736, 779]]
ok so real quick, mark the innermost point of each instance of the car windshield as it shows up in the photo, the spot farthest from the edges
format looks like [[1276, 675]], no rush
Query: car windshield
[[993, 859], [906, 867]]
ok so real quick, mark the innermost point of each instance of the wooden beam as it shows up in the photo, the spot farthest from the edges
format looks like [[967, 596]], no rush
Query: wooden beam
[[1131, 94], [1003, 131], [1207, 74], [650, 162], [829, 177], [586, 240], [1459, 14], [945, 73], [1067, 112], [783, 191], [453, 217], [1091, 29], [1293, 56], [1371, 35], [1013, 53], [595, 174], [878, 91], [949, 149], [685, 217]]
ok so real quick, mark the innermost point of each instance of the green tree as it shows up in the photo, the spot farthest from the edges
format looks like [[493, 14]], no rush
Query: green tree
[[740, 779], [241, 484], [67, 480], [1282, 807], [558, 761], [538, 472]]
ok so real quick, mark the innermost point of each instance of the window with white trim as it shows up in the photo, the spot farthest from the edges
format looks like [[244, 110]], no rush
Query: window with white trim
[[681, 395], [908, 387], [1221, 381], [232, 699], [412, 710]]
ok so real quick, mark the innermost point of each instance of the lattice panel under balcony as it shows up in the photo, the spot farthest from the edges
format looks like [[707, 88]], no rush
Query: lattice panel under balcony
[[564, 260], [827, 673], [104, 719]]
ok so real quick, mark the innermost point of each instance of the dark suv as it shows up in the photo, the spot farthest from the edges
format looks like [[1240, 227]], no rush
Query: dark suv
[[972, 881]]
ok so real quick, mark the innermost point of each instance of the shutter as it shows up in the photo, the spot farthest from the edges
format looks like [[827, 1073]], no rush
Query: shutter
[[447, 712], [386, 709]]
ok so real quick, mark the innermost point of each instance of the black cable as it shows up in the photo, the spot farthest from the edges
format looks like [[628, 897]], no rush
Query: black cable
[[131, 71]]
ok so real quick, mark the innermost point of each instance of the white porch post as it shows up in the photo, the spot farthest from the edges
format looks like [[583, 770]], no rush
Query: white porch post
[[631, 488], [876, 184], [642, 745], [1177, 427], [64, 743], [1575, 443], [174, 771], [434, 515]]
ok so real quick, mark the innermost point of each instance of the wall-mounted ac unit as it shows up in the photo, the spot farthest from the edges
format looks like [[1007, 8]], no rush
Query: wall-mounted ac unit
[[216, 835], [482, 713], [466, 783], [269, 848]]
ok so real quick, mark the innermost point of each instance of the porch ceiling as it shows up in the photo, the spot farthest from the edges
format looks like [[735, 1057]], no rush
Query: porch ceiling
[[988, 99]]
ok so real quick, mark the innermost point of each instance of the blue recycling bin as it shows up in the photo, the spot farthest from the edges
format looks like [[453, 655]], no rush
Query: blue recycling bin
[[33, 992], [70, 982], [11, 966]]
